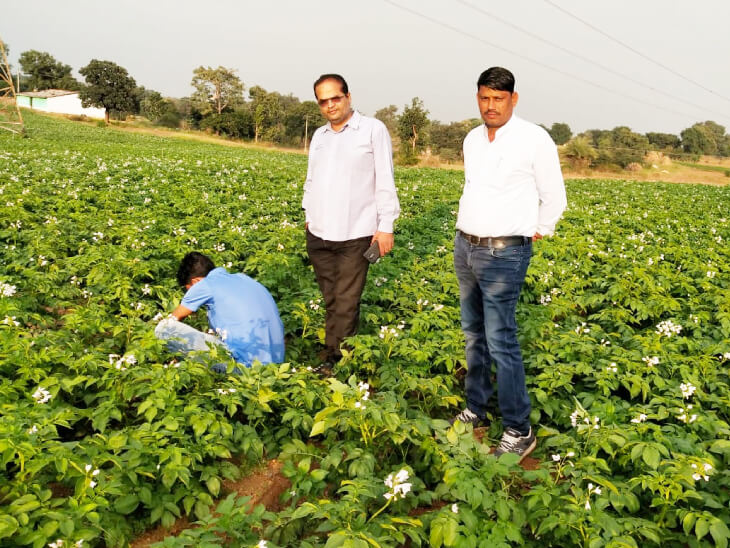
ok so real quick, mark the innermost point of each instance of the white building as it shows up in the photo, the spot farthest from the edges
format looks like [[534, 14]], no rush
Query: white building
[[59, 101]]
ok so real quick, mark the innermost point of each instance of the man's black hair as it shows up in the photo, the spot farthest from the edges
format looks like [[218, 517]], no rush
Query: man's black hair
[[497, 78], [337, 77], [193, 265]]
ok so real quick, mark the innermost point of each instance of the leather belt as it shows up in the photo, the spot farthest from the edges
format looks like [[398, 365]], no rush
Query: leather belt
[[497, 242]]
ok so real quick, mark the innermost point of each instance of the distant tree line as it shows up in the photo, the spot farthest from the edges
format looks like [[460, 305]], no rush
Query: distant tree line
[[220, 104]]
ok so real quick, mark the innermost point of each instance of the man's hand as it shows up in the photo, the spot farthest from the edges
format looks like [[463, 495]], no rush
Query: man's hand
[[385, 242], [537, 237]]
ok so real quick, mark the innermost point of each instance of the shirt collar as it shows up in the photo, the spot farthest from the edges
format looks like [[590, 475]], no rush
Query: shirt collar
[[217, 271], [504, 129], [353, 122]]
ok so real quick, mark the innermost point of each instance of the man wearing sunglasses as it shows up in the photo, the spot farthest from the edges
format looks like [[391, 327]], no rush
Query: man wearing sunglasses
[[350, 202]]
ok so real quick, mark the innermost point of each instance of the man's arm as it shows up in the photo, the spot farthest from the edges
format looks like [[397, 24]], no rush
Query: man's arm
[[386, 197], [181, 312], [550, 187]]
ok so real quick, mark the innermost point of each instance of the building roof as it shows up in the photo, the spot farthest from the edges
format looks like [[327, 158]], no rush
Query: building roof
[[47, 93]]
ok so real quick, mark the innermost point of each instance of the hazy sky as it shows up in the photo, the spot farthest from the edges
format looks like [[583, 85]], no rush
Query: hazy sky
[[566, 71]]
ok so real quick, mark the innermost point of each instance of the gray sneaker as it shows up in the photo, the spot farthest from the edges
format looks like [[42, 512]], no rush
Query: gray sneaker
[[514, 442], [467, 416]]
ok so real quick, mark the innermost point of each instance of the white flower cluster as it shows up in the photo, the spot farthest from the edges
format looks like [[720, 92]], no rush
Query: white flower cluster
[[226, 390], [685, 416], [59, 544], [41, 395], [146, 290], [438, 307], [364, 389], [98, 236], [595, 422], [557, 457], [612, 368], [380, 280], [314, 305], [10, 320], [93, 472], [222, 333], [687, 389], [667, 328], [262, 544], [33, 429], [391, 331], [650, 361], [711, 274], [398, 485], [592, 490], [280, 247], [120, 362], [706, 467], [7, 290], [641, 418], [582, 328], [219, 247], [455, 508], [726, 356], [545, 299]]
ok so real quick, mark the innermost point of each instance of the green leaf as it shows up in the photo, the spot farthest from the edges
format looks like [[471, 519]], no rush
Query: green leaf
[[214, 486], [651, 456], [702, 527], [8, 526], [720, 533], [317, 428], [126, 504]]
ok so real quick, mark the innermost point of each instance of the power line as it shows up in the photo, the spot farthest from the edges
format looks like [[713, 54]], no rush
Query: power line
[[633, 50], [588, 60], [530, 60]]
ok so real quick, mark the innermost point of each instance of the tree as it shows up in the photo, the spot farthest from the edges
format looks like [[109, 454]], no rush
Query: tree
[[412, 124], [447, 139], [305, 116], [44, 72], [663, 141], [389, 116], [268, 113], [580, 153], [706, 138], [560, 133], [108, 86], [216, 89]]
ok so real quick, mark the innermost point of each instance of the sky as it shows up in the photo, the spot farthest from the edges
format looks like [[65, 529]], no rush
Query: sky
[[651, 65]]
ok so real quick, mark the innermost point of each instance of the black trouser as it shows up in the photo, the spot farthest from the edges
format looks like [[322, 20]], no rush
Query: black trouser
[[341, 271]]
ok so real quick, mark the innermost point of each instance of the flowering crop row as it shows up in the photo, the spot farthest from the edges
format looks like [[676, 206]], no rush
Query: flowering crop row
[[624, 325]]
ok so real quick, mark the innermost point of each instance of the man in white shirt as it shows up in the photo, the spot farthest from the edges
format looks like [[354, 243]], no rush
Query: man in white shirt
[[513, 195], [350, 201]]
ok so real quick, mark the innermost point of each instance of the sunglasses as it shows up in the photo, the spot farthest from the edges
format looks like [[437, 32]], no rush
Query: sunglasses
[[336, 100]]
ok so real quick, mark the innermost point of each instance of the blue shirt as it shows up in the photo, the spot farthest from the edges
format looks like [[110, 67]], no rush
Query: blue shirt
[[243, 314]]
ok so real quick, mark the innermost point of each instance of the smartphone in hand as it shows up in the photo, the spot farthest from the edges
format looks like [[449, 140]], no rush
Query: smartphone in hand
[[372, 253]]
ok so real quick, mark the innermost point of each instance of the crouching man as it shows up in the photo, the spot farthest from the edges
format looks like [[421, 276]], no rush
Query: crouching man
[[240, 310]]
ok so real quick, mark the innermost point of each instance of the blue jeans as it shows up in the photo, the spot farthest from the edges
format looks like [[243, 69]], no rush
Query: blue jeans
[[490, 280], [183, 339]]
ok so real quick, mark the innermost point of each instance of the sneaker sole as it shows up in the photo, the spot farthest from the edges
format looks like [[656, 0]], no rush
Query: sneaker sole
[[529, 450]]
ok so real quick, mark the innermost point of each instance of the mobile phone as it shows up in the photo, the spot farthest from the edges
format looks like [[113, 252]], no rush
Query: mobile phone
[[372, 254]]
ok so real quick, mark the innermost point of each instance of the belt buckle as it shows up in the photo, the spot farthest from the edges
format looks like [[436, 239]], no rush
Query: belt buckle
[[497, 243]]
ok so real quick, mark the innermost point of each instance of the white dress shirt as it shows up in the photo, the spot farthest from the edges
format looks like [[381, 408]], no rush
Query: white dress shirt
[[350, 191], [513, 185]]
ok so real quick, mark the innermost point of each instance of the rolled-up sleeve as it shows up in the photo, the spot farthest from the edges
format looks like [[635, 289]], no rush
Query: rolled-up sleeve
[[386, 197]]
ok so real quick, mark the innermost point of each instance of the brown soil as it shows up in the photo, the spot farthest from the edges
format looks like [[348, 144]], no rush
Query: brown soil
[[264, 485]]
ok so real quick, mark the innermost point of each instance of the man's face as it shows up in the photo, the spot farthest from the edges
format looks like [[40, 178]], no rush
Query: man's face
[[334, 104], [495, 106]]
